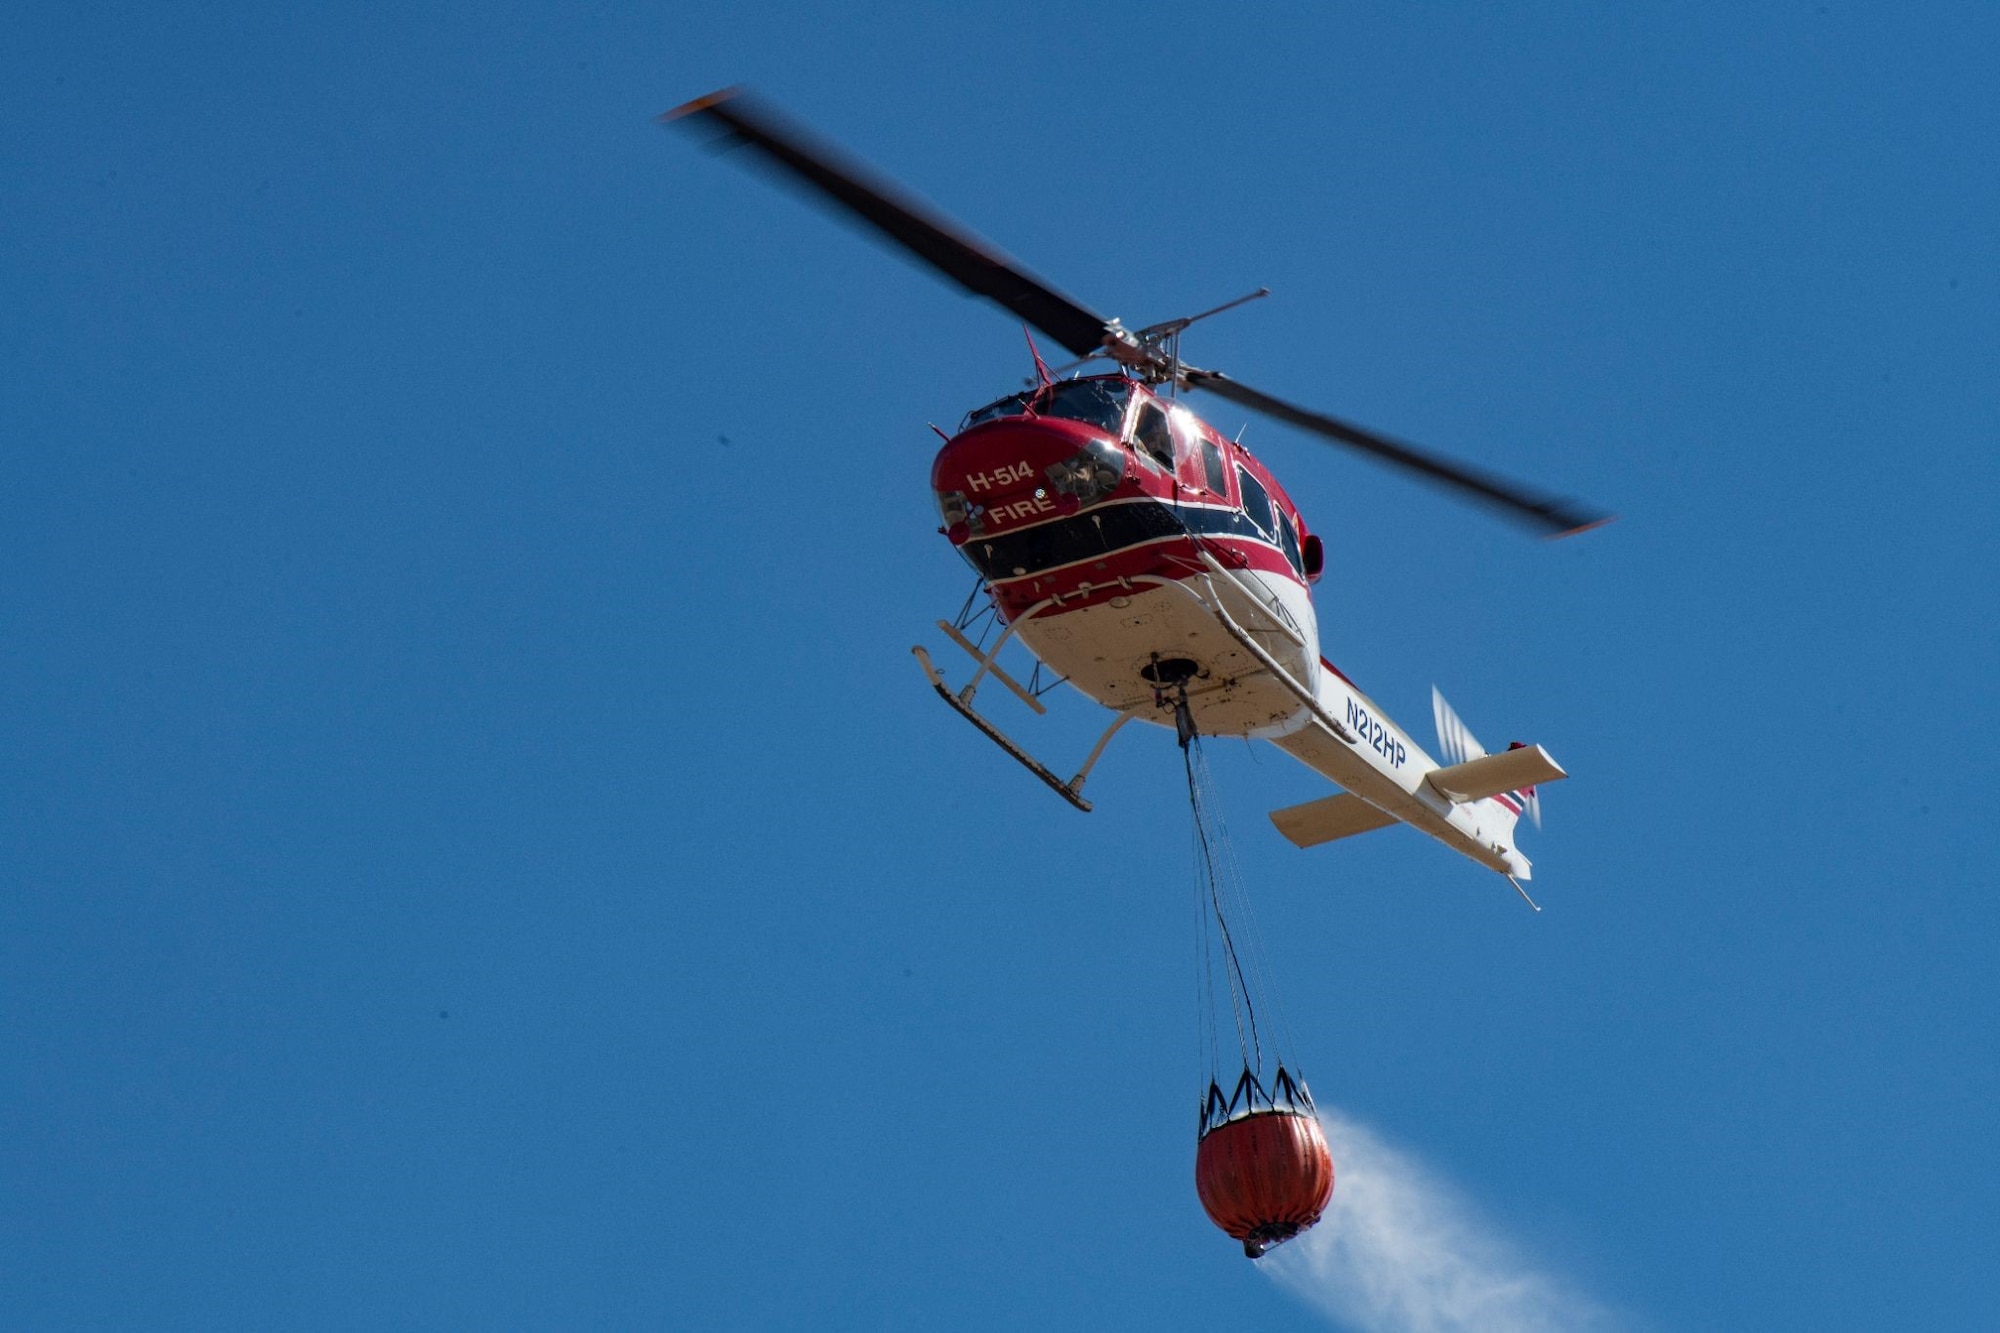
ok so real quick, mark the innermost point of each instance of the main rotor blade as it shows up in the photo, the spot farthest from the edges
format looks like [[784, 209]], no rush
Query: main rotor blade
[[963, 258], [1552, 516]]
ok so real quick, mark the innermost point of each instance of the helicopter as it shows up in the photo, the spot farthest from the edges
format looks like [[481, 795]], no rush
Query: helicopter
[[1154, 564]]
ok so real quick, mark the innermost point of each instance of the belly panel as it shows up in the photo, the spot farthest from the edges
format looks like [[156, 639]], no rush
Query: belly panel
[[1106, 649]]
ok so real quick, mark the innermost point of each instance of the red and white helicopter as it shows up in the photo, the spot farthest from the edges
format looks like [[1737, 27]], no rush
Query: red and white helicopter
[[1154, 564]]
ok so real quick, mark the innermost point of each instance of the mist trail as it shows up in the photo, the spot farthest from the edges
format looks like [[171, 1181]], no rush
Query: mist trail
[[1401, 1251]]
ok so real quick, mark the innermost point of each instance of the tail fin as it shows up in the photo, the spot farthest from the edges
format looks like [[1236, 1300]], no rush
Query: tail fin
[[1530, 798], [1457, 745]]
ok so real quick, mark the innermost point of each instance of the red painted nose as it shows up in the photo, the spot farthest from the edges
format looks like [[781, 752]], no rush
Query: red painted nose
[[1000, 457], [1021, 471], [1006, 474]]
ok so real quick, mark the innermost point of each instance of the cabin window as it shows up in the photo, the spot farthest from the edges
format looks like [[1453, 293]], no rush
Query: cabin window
[[1257, 503], [1153, 435], [1288, 537], [1212, 470]]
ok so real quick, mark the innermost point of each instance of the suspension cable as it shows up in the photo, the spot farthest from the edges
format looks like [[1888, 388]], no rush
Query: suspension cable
[[1215, 870]]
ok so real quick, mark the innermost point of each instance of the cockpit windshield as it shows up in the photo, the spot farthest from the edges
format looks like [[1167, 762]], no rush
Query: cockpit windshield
[[1095, 402], [1011, 406], [1099, 403]]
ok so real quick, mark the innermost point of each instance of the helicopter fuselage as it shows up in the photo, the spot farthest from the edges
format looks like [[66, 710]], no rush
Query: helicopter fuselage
[[1085, 527], [1145, 558]]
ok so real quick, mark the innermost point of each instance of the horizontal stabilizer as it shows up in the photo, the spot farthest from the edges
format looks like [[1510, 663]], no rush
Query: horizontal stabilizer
[[1340, 816], [1490, 775]]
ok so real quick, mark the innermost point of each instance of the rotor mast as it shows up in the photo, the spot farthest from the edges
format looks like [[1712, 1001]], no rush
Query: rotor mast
[[1154, 352]]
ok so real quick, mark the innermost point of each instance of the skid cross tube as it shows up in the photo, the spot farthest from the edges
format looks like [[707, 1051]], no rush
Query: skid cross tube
[[1071, 791], [987, 660]]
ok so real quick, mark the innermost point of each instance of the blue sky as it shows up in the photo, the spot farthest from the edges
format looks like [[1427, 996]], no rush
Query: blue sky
[[478, 852]]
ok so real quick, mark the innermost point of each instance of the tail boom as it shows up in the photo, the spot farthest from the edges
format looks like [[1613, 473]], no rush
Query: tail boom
[[1470, 805]]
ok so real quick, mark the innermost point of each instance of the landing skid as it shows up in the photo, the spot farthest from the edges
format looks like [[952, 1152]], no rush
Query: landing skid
[[1071, 791]]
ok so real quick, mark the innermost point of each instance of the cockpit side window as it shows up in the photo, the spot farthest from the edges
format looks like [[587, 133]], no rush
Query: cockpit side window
[[1191, 448]]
